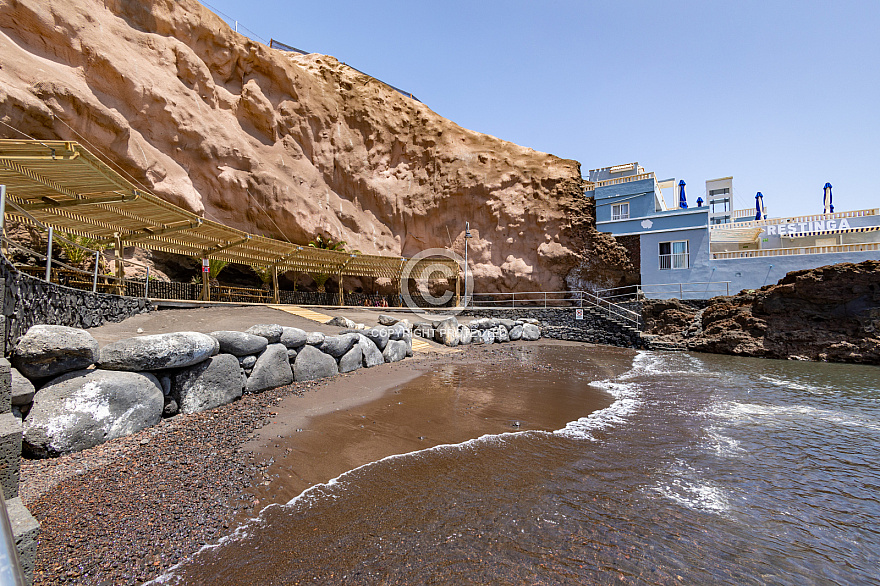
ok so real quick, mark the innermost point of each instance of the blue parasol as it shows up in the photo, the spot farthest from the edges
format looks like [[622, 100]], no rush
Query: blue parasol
[[759, 206], [829, 207], [699, 202], [682, 199]]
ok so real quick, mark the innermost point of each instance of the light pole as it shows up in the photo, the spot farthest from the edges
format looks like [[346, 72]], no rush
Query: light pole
[[467, 236]]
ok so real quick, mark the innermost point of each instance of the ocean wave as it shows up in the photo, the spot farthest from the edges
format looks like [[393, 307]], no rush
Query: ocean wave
[[790, 414], [798, 386], [688, 489]]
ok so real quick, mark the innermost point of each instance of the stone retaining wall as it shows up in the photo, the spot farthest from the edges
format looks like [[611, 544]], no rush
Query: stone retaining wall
[[28, 301], [560, 323]]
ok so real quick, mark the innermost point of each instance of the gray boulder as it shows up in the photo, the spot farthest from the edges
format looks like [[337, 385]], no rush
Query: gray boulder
[[314, 338], [47, 351], [478, 324], [464, 335], [407, 338], [313, 364], [82, 409], [170, 407], [424, 330], [293, 337], [291, 355], [447, 332], [342, 322], [529, 320], [488, 336], [395, 351], [371, 354], [208, 384], [398, 332], [501, 334], [337, 346], [507, 323], [515, 332], [379, 336], [272, 332], [352, 360], [531, 332], [22, 389], [387, 320], [239, 343], [165, 383], [247, 361], [271, 370], [158, 351]]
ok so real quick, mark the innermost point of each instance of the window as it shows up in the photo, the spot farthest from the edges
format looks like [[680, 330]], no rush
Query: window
[[674, 255], [723, 191], [620, 211]]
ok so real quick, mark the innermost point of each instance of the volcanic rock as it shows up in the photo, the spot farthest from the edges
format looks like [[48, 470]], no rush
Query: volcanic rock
[[158, 351], [209, 384], [313, 364], [47, 351], [271, 370], [240, 343]]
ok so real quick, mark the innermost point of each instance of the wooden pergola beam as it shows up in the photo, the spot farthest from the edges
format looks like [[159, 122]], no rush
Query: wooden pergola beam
[[50, 203]]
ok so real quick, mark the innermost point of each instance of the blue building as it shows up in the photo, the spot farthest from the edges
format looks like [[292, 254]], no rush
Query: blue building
[[700, 252]]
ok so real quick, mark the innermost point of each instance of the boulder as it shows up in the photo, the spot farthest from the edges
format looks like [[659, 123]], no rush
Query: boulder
[[372, 355], [531, 332], [447, 332], [158, 351], [313, 364], [488, 336], [165, 383], [398, 332], [478, 324], [170, 407], [248, 361], [272, 332], [507, 323], [337, 346], [208, 384], [47, 351], [84, 408], [342, 322], [239, 343], [291, 355], [387, 320], [379, 336], [501, 334], [529, 320], [293, 337], [314, 338], [424, 330], [464, 335], [22, 389], [395, 351], [515, 332], [404, 323], [407, 338], [352, 360], [272, 369]]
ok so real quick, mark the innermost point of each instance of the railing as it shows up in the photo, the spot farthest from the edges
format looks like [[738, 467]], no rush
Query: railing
[[679, 260], [639, 292], [833, 249], [619, 180], [796, 219], [10, 569], [545, 299]]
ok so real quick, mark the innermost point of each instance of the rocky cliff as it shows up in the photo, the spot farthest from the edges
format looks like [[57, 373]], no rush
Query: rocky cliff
[[290, 145], [830, 313]]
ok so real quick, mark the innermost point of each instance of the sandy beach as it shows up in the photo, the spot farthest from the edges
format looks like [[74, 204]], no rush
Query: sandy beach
[[124, 511]]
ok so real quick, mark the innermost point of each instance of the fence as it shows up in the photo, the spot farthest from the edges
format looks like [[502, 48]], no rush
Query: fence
[[638, 292], [545, 299]]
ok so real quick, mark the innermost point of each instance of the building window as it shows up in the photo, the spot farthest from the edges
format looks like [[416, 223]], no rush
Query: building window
[[674, 255], [620, 211]]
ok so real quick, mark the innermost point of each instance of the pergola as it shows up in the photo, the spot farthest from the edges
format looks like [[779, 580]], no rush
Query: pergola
[[62, 185]]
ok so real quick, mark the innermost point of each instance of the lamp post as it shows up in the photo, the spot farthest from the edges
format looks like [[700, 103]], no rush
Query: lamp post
[[467, 236]]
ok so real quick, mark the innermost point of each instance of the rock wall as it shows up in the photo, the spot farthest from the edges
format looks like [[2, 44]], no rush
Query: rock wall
[[290, 145], [28, 301], [560, 323], [830, 313]]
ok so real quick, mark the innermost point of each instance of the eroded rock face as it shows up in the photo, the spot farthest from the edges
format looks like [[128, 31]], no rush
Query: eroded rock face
[[84, 408], [212, 121], [47, 351], [158, 351], [828, 313]]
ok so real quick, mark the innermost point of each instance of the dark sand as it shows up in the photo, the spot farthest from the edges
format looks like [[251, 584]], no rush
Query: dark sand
[[125, 511]]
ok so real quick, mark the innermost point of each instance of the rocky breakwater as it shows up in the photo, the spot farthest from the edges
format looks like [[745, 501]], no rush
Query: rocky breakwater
[[449, 332], [830, 313], [72, 395]]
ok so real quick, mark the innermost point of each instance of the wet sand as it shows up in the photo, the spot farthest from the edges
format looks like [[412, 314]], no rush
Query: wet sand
[[438, 399]]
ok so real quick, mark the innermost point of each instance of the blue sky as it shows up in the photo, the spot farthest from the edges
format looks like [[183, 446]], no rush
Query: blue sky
[[784, 96]]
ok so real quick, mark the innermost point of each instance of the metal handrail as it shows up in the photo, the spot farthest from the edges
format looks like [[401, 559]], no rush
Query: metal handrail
[[638, 291], [578, 297], [10, 568]]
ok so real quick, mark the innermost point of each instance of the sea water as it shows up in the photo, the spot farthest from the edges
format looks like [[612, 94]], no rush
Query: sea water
[[702, 470]]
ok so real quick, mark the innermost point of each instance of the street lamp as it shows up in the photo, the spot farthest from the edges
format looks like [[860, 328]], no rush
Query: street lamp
[[467, 236]]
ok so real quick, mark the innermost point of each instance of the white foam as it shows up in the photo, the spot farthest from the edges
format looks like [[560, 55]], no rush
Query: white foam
[[798, 386], [775, 415], [723, 445], [695, 495]]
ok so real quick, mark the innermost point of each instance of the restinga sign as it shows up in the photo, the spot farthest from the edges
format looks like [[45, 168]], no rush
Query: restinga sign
[[803, 228]]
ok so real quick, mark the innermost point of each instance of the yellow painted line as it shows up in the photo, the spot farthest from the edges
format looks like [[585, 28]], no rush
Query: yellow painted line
[[302, 312]]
